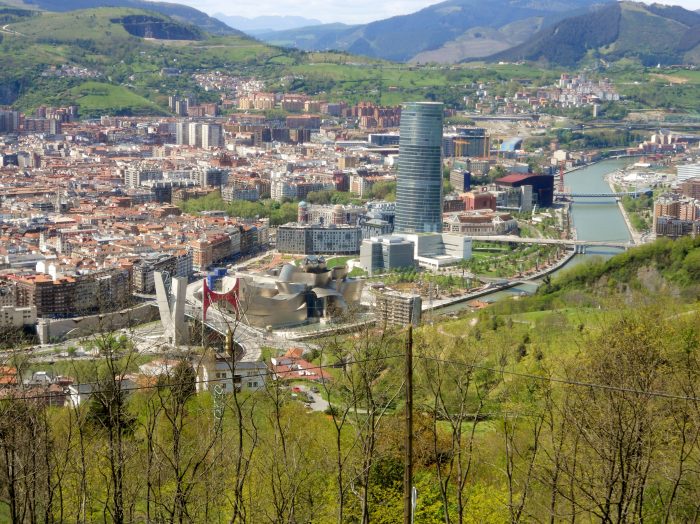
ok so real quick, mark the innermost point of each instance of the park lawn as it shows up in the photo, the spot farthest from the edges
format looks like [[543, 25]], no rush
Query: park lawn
[[338, 261], [357, 272], [479, 255]]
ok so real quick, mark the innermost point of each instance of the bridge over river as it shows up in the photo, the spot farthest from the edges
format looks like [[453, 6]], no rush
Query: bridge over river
[[553, 241], [633, 194]]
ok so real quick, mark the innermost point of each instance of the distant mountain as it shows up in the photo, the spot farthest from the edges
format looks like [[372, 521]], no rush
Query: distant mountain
[[446, 32], [265, 24], [653, 34], [181, 13]]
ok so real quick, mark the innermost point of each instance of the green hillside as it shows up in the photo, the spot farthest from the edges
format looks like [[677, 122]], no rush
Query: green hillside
[[652, 35], [181, 13], [668, 267], [438, 26], [110, 44], [35, 49], [100, 98]]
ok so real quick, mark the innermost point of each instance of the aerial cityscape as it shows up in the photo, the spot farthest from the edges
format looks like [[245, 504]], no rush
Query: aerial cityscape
[[431, 262]]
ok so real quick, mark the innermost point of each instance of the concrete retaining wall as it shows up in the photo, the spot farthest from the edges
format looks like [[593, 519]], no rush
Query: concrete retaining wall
[[54, 330]]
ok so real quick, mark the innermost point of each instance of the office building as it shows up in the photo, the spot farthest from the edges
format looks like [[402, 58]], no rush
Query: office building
[[419, 182], [383, 139], [542, 186], [460, 180], [381, 254], [687, 172]]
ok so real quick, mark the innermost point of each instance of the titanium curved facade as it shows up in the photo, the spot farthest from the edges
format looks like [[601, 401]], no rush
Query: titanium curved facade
[[296, 295], [419, 183]]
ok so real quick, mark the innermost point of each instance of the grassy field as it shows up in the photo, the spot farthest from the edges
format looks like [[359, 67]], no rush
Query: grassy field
[[338, 261], [75, 25], [102, 98]]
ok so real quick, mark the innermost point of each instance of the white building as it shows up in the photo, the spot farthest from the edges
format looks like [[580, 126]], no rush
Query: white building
[[195, 134], [688, 171], [436, 250], [221, 370], [212, 136], [314, 239], [16, 317]]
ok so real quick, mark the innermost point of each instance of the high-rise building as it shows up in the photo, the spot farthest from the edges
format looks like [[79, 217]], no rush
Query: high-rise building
[[211, 136], [419, 183], [9, 121], [182, 133], [195, 134]]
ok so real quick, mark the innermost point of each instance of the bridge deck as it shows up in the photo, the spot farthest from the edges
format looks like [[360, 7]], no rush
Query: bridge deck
[[603, 195], [557, 241]]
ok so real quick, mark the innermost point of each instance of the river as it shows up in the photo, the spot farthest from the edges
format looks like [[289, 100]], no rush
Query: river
[[596, 219]]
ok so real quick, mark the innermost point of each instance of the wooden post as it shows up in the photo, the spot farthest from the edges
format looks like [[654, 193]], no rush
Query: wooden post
[[408, 459]]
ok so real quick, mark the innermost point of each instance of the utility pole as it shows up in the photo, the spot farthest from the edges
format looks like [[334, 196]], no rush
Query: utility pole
[[408, 459]]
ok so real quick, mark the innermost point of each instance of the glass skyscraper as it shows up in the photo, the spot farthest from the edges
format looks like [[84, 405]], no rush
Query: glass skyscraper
[[419, 183]]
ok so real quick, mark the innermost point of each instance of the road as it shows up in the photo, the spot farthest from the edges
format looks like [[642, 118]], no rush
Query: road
[[319, 403], [147, 339], [5, 29]]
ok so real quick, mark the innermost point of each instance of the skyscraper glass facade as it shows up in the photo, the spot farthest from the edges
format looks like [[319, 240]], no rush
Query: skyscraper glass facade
[[419, 183]]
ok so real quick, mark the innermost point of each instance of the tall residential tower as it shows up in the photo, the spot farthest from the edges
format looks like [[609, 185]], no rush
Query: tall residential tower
[[419, 183]]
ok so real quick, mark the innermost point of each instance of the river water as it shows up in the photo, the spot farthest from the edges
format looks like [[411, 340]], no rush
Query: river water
[[595, 219]]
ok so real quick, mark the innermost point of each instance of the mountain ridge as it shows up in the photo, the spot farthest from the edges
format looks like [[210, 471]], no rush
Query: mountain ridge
[[402, 38], [266, 24], [653, 34]]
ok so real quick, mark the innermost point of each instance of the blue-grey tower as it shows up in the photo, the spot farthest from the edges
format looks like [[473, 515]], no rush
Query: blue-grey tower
[[419, 183]]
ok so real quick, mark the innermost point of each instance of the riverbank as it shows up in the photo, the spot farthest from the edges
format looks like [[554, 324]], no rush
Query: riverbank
[[636, 235], [529, 279], [600, 161]]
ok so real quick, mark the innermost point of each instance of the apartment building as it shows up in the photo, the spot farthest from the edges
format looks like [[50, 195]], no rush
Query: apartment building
[[397, 309], [16, 317], [67, 296], [314, 239]]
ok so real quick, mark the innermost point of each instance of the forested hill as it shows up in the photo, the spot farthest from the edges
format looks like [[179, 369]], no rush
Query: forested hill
[[179, 12], [669, 266], [449, 31], [653, 34]]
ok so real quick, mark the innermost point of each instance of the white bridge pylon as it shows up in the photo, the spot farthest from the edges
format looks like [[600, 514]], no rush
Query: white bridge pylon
[[172, 308]]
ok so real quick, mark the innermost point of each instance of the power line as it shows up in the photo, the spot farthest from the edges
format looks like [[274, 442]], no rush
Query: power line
[[660, 394], [268, 373]]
